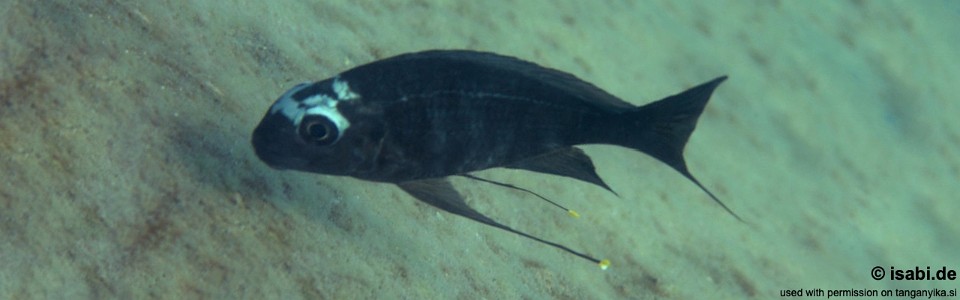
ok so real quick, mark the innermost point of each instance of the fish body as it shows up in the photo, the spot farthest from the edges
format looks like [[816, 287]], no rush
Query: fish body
[[417, 118]]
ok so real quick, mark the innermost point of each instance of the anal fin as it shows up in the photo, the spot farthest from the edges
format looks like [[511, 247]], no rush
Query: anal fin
[[568, 162], [571, 212]]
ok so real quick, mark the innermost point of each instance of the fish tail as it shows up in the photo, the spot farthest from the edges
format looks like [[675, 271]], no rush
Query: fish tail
[[661, 129]]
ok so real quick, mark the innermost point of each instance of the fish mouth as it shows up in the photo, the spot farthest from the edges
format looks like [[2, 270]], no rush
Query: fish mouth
[[275, 155], [272, 154]]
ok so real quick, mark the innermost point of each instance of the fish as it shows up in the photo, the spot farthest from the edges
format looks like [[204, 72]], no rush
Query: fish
[[416, 119]]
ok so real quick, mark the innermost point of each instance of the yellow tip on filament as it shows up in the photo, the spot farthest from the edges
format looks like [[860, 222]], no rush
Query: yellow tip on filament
[[573, 213], [604, 264]]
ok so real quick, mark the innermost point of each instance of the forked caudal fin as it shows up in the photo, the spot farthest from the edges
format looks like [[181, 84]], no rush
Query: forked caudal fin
[[661, 129]]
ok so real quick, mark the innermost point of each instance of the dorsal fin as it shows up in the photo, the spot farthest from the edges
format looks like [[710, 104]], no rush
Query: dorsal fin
[[566, 82]]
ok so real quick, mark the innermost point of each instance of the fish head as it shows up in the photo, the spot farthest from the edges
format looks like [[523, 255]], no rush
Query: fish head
[[310, 129]]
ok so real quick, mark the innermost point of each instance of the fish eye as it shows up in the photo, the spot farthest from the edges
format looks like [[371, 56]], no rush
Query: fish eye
[[318, 130]]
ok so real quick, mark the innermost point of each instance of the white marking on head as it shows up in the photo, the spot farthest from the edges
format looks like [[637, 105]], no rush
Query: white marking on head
[[286, 105], [326, 107], [342, 88], [320, 104]]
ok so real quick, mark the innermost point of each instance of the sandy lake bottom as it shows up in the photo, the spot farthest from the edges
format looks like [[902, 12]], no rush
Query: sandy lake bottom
[[126, 169]]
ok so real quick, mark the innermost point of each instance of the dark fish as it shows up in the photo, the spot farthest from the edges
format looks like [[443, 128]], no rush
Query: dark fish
[[415, 119]]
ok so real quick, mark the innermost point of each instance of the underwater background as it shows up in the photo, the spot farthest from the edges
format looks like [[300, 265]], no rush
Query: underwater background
[[126, 169]]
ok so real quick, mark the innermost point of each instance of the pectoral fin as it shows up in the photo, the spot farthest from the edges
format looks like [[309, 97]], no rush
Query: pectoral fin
[[570, 162], [440, 193]]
